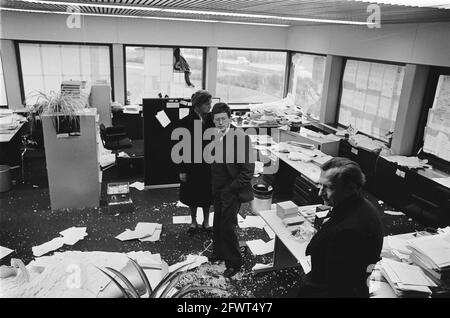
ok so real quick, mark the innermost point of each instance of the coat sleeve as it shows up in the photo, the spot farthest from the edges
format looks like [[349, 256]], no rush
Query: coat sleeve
[[344, 262], [246, 169]]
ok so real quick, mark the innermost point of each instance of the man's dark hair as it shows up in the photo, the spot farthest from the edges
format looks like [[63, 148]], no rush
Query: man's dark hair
[[200, 97], [221, 108], [348, 171]]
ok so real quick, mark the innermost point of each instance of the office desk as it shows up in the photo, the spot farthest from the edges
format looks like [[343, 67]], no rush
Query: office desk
[[288, 252], [10, 145], [7, 135]]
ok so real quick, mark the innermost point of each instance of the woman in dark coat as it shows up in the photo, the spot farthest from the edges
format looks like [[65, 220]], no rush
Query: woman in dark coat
[[195, 185]]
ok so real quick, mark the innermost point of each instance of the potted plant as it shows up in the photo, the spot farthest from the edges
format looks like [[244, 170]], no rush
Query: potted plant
[[62, 106]]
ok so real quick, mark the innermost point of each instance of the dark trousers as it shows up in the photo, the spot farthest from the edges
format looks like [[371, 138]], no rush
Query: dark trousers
[[225, 242]]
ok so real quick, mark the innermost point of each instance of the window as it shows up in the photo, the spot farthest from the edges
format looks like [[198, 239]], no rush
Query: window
[[437, 130], [250, 76], [306, 81], [370, 95], [46, 66], [151, 71], [3, 101]]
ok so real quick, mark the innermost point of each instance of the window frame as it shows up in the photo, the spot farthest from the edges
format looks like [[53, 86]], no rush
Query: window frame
[[4, 84], [19, 60], [286, 68], [338, 106], [428, 99], [289, 72], [204, 56]]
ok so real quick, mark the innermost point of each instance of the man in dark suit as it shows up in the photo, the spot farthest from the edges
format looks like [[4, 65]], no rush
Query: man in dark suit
[[232, 170], [347, 246]]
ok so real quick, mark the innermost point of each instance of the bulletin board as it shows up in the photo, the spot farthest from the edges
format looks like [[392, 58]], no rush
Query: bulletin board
[[159, 169]]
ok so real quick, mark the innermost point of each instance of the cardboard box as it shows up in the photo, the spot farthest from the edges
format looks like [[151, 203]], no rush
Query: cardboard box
[[286, 209]]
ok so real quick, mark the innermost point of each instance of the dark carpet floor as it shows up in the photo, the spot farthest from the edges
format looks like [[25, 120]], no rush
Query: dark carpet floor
[[26, 220]]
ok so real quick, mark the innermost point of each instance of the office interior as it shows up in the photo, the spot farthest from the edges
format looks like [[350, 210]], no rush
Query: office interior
[[372, 76]]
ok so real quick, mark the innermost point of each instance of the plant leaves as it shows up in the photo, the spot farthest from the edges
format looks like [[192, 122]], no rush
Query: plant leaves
[[130, 286], [167, 279], [124, 292], [143, 276]]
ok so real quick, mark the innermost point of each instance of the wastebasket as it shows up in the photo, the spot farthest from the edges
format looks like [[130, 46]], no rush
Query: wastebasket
[[5, 178], [263, 197]]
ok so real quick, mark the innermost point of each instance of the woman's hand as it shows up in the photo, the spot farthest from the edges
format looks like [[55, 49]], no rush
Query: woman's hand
[[183, 177]]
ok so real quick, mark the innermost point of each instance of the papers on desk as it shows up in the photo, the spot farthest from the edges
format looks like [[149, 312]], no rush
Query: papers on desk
[[142, 230], [132, 109], [69, 236], [252, 221], [406, 280], [269, 232], [432, 252], [409, 162], [259, 247], [4, 251]]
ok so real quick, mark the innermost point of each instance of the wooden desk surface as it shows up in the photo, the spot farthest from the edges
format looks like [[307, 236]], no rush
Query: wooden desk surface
[[7, 135], [296, 247]]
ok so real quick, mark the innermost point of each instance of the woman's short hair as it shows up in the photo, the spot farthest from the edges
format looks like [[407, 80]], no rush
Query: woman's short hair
[[348, 171], [221, 108], [200, 97]]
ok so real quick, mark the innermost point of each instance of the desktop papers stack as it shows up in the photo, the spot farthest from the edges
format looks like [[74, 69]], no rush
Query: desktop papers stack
[[432, 254], [406, 280]]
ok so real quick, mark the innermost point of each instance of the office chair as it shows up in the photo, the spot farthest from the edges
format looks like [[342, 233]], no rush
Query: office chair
[[115, 138]]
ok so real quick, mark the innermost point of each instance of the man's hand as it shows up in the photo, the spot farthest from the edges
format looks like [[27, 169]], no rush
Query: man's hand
[[183, 177]]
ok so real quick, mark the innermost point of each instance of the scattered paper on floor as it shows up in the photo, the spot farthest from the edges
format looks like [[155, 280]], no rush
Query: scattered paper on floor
[[394, 212], [186, 219], [143, 229], [4, 251], [259, 247], [69, 236], [196, 261], [181, 205], [259, 266], [155, 236]]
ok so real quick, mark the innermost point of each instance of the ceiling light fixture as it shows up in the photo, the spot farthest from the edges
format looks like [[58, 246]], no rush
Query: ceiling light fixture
[[138, 17], [194, 12]]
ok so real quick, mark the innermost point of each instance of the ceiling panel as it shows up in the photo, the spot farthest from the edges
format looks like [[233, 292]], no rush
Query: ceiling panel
[[345, 10]]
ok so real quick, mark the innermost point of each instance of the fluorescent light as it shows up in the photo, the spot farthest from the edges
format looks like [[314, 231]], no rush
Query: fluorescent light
[[439, 4], [139, 17], [198, 12]]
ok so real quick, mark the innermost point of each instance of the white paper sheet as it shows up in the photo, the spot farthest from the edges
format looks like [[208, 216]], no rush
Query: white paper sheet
[[259, 247], [138, 185], [252, 221], [186, 219], [143, 229], [172, 105], [4, 251], [162, 118], [181, 205], [196, 261], [269, 232], [48, 247], [259, 266], [394, 212], [183, 112], [155, 236]]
